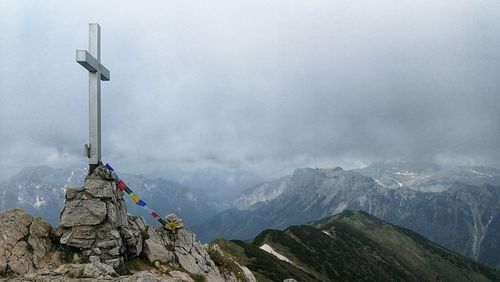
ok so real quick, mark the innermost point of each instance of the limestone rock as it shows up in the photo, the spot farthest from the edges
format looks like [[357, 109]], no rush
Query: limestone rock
[[83, 211], [94, 220], [75, 274], [100, 189], [217, 253], [183, 249], [247, 273], [181, 275], [98, 270], [24, 243], [71, 270], [132, 235], [149, 277], [79, 236], [158, 247], [100, 173], [192, 255]]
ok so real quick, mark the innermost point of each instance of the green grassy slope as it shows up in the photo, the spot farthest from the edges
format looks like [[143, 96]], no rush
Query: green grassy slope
[[354, 246]]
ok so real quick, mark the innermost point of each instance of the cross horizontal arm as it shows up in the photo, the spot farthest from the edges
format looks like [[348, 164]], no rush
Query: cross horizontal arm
[[91, 64], [86, 60], [105, 75]]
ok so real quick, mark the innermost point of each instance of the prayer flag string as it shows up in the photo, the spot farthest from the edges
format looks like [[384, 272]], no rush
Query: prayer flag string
[[120, 184]]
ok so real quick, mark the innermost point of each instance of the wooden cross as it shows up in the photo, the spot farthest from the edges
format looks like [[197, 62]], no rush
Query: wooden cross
[[91, 60]]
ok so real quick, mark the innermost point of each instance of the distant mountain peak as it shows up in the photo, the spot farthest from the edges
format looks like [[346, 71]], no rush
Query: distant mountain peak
[[323, 171]]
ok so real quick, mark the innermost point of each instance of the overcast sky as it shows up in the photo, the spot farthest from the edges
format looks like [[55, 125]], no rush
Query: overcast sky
[[264, 86]]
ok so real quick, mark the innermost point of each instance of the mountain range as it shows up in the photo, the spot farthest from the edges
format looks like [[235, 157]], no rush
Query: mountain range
[[429, 177], [217, 185], [462, 217], [40, 190], [457, 207]]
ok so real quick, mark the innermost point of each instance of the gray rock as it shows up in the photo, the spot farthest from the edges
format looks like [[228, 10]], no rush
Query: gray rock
[[93, 218], [192, 255], [247, 273], [98, 270], [149, 277], [181, 275], [138, 221], [133, 235], [181, 248], [71, 193], [101, 189], [94, 259], [76, 275], [108, 244], [114, 251], [71, 270], [158, 247], [79, 236], [100, 173], [115, 263], [24, 243], [122, 210], [83, 212]]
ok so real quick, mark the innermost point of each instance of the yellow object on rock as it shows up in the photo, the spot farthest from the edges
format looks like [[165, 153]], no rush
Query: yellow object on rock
[[172, 222]]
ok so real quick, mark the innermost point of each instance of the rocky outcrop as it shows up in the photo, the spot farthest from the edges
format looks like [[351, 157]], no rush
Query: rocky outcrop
[[94, 220], [132, 235], [181, 248], [95, 239], [25, 244], [92, 272]]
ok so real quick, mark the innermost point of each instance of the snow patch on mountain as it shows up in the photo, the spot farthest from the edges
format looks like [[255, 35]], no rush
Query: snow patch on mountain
[[270, 250], [39, 202], [480, 173]]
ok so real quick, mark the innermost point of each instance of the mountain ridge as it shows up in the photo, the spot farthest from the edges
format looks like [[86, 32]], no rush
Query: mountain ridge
[[352, 245], [462, 217], [40, 190]]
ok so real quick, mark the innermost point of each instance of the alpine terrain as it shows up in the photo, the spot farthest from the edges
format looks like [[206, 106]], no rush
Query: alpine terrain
[[40, 190], [460, 216], [352, 246]]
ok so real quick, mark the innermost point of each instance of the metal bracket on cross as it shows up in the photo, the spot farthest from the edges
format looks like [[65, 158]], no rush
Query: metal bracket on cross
[[171, 222]]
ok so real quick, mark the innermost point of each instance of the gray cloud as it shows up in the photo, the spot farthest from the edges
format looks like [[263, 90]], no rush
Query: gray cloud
[[259, 85]]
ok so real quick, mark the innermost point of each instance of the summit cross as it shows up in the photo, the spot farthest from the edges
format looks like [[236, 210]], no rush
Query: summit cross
[[91, 60]]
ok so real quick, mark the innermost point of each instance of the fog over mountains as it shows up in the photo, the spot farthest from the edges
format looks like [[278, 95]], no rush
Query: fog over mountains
[[457, 207], [193, 195]]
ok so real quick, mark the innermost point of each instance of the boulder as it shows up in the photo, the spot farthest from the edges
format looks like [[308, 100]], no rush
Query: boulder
[[25, 243], [158, 247], [83, 211], [132, 235], [98, 270], [180, 248]]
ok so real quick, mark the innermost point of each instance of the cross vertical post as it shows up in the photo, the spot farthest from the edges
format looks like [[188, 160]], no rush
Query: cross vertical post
[[91, 60]]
